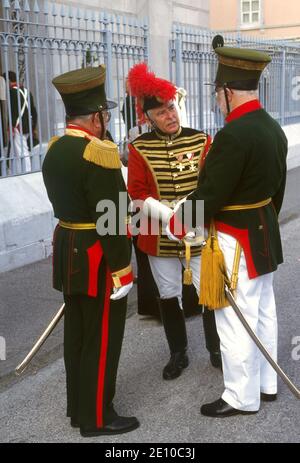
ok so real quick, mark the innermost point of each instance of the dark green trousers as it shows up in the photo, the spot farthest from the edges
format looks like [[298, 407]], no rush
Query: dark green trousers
[[93, 335]]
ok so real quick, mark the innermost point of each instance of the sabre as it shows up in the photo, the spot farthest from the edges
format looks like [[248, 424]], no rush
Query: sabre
[[24, 364], [261, 347]]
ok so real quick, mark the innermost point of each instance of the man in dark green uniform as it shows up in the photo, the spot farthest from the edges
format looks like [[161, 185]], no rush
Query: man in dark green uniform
[[80, 169], [242, 185]]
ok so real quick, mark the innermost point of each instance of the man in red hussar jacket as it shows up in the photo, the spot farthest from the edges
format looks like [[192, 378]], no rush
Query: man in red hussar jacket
[[163, 167]]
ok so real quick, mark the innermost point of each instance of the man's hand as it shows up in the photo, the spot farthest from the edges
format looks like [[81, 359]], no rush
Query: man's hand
[[167, 228], [189, 237], [121, 292]]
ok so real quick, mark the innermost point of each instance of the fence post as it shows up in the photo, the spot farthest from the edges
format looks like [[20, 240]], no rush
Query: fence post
[[178, 58], [282, 93], [146, 41], [109, 74]]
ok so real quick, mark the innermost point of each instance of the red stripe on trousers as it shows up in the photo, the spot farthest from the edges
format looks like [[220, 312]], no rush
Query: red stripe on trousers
[[103, 351], [95, 255]]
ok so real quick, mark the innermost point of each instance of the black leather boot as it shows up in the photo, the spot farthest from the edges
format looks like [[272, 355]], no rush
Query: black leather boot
[[174, 324], [178, 361]]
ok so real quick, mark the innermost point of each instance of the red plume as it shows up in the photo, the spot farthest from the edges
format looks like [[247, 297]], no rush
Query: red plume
[[143, 84]]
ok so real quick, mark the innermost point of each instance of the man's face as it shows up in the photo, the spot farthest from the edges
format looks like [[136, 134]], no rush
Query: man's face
[[221, 100], [97, 128], [165, 118]]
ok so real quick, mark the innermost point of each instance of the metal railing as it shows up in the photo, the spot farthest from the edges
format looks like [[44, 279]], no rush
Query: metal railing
[[41, 39], [193, 64]]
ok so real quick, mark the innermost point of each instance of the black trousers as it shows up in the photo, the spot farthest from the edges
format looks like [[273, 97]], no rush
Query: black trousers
[[93, 335], [148, 295]]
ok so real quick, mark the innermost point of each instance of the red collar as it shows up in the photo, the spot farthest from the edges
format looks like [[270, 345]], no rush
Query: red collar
[[243, 109], [77, 127]]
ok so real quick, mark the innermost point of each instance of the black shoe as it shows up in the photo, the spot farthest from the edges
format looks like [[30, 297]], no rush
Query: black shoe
[[177, 362], [221, 409], [268, 397], [74, 423], [120, 425], [216, 359]]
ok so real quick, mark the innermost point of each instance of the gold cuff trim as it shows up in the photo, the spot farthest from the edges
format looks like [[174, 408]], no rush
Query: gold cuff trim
[[242, 207], [116, 276], [77, 226]]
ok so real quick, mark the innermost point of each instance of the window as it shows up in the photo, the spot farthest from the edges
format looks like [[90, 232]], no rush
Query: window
[[250, 12]]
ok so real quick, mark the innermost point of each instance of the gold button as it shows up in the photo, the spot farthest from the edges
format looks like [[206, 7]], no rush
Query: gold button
[[170, 143], [180, 253], [75, 250], [171, 153], [177, 187], [175, 175]]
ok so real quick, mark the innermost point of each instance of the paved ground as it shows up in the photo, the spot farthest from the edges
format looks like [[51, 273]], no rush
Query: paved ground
[[32, 407]]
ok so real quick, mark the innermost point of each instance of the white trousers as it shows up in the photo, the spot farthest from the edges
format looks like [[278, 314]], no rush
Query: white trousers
[[246, 372], [167, 273], [21, 151]]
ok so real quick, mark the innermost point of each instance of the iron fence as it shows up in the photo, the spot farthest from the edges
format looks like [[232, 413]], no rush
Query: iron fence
[[41, 39], [193, 64]]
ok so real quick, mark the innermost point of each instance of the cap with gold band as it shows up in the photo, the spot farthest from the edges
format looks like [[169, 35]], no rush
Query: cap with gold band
[[83, 90], [238, 68]]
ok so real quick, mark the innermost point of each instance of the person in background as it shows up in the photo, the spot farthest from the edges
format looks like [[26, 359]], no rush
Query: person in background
[[23, 121]]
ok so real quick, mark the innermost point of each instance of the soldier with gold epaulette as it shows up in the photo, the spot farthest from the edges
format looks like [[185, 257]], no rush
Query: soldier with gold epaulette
[[242, 186], [163, 167], [92, 269]]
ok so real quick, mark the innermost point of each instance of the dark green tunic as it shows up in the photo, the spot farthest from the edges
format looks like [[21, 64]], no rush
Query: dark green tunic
[[247, 164], [85, 266]]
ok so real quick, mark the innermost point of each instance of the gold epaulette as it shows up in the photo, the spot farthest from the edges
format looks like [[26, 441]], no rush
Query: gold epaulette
[[51, 141], [104, 153]]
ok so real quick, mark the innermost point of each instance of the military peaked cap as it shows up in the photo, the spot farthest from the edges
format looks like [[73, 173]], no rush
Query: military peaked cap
[[238, 68], [83, 91]]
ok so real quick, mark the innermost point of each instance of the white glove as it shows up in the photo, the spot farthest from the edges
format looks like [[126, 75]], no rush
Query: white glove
[[157, 210], [168, 232], [121, 292], [194, 238]]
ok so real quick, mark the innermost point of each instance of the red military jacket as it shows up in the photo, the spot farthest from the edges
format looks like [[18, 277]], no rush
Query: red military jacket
[[167, 169]]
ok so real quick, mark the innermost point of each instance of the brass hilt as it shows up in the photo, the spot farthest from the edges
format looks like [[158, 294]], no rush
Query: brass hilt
[[235, 268]]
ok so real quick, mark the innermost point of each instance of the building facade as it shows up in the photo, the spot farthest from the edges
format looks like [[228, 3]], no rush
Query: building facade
[[269, 19]]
